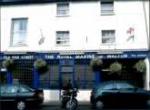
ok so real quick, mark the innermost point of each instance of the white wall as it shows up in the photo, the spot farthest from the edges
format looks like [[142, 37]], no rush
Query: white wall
[[84, 23], [54, 96]]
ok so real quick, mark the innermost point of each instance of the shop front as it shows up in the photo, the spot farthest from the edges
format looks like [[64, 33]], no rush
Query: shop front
[[74, 67]]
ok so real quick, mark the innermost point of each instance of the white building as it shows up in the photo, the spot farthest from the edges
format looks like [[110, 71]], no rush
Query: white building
[[113, 30]]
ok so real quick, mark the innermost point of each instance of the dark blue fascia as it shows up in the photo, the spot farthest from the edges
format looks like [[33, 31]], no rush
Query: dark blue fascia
[[85, 56]]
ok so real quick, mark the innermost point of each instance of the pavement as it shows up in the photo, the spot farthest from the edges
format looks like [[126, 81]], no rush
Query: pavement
[[57, 103]]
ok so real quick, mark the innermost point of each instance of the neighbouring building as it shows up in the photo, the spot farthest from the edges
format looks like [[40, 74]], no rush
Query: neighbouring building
[[67, 34]]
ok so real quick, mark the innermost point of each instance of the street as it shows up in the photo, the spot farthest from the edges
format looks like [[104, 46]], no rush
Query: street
[[82, 106], [56, 106]]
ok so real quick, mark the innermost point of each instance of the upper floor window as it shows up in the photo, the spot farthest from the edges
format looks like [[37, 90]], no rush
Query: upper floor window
[[108, 36], [63, 9], [107, 7], [18, 32], [62, 38]]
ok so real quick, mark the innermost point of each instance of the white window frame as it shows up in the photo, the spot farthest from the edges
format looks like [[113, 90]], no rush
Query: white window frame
[[63, 9], [62, 38], [107, 7], [18, 36], [110, 36]]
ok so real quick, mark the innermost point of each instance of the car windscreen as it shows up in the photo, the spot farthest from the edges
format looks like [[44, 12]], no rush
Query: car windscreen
[[24, 89], [11, 89], [109, 86], [8, 89], [123, 86]]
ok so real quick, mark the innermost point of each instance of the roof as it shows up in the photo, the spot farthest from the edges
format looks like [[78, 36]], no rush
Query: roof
[[19, 2], [15, 2]]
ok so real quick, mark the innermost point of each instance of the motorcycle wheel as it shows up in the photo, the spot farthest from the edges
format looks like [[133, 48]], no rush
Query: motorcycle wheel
[[72, 104]]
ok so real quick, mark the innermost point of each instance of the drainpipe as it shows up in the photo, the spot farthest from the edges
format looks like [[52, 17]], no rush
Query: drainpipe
[[146, 23], [147, 74], [147, 60]]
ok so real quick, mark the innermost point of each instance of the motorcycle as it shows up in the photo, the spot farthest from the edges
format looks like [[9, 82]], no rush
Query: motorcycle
[[69, 101]]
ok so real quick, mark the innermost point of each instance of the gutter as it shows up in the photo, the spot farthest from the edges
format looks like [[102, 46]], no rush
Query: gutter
[[146, 24], [27, 2]]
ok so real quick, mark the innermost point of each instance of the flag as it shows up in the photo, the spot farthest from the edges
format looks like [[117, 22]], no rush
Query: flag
[[130, 37], [42, 39], [130, 32]]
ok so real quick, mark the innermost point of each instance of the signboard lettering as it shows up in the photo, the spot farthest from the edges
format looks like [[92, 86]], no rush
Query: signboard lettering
[[51, 56]]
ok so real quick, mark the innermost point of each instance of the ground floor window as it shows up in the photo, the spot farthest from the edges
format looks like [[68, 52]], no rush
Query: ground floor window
[[128, 72], [82, 75]]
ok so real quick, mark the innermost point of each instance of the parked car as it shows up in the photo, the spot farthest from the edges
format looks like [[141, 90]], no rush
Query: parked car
[[19, 97], [119, 94]]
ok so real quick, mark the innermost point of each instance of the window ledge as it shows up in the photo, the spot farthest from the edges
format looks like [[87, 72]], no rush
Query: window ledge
[[108, 44], [62, 15], [107, 14], [62, 45], [19, 45]]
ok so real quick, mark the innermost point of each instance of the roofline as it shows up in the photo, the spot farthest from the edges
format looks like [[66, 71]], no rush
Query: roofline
[[26, 2]]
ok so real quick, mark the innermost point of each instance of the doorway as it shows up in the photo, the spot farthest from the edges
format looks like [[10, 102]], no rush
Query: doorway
[[66, 71]]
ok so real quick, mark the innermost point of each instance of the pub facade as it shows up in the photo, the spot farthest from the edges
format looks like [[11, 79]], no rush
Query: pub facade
[[67, 35]]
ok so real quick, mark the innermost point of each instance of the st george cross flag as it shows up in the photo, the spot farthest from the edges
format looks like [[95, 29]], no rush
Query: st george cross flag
[[130, 31]]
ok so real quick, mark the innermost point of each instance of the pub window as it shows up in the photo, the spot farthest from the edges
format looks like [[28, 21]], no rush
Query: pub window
[[18, 32], [62, 9], [107, 7], [108, 36], [62, 38]]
